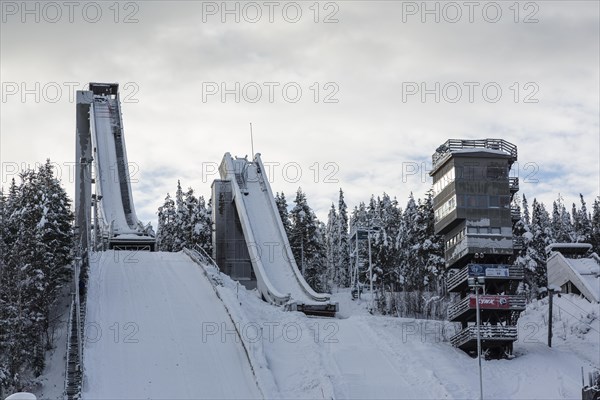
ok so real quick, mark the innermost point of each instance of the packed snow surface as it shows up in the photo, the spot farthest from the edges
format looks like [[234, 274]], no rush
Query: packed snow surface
[[146, 315], [167, 351], [361, 356]]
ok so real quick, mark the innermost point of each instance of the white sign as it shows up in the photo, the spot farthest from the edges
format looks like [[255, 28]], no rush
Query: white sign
[[499, 272]]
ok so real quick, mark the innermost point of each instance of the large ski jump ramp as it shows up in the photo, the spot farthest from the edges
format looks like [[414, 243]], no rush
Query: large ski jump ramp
[[278, 278], [113, 182], [144, 332]]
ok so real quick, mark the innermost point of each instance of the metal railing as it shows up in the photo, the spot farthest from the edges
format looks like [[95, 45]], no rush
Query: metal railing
[[487, 332], [458, 278], [513, 184], [515, 303], [204, 256], [515, 213], [446, 149], [462, 275], [518, 243]]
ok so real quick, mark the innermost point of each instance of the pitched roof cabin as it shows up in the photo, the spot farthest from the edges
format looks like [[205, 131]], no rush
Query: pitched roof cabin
[[575, 269]]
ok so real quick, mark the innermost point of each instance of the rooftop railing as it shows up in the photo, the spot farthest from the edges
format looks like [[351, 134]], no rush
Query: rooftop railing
[[452, 145]]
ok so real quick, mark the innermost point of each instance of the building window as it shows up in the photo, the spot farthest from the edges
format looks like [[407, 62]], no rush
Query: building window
[[445, 209], [455, 239], [494, 201], [496, 173], [443, 182], [483, 230]]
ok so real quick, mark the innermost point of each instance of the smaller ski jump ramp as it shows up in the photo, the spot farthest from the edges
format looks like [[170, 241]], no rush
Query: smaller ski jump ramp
[[277, 276]]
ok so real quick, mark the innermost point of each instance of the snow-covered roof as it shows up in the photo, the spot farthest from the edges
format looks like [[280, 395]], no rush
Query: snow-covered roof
[[573, 247], [584, 273], [585, 266]]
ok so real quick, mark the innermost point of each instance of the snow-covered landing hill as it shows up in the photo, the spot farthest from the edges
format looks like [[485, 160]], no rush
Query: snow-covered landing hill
[[363, 356], [356, 355]]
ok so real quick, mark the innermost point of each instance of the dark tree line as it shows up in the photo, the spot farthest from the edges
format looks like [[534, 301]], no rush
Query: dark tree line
[[406, 255], [35, 264], [409, 273]]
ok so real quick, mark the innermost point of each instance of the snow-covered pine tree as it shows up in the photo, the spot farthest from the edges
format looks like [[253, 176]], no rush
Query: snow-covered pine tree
[[28, 256], [3, 231], [331, 246], [184, 222], [36, 241], [4, 285], [202, 225], [165, 232], [431, 246], [411, 275], [562, 228], [181, 220], [391, 214], [282, 207], [385, 253], [55, 237], [525, 215], [342, 243], [522, 233], [307, 243], [542, 236], [595, 222], [583, 228]]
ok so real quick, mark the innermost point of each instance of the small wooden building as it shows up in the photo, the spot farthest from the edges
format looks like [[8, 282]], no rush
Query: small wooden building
[[575, 269]]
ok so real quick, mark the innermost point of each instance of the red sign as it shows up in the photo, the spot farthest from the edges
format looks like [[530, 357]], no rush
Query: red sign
[[490, 302]]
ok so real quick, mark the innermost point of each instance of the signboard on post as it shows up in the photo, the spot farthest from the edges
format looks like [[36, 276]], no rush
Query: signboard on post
[[496, 272], [490, 302], [488, 270]]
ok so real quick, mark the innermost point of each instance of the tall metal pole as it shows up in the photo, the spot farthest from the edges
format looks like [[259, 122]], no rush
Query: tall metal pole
[[478, 340], [550, 293], [251, 141], [370, 265], [302, 255]]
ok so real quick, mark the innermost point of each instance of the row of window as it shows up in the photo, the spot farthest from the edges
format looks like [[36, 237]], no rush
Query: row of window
[[470, 173], [489, 173], [472, 201], [483, 201], [444, 181], [487, 230], [445, 209], [455, 239]]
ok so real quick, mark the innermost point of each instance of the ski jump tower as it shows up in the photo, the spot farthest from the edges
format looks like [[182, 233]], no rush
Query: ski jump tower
[[472, 204], [101, 160]]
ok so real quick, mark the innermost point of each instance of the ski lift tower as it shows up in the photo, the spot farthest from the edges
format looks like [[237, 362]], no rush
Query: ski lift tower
[[360, 254]]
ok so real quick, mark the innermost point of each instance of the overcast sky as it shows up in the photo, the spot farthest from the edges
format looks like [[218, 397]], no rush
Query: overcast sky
[[353, 94]]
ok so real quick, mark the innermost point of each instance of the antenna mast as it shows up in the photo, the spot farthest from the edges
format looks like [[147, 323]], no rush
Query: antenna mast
[[251, 141]]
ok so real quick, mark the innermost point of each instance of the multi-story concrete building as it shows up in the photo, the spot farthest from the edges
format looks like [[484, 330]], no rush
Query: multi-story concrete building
[[472, 203]]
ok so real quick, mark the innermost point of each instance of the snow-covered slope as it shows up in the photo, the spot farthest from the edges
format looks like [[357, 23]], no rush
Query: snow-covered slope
[[365, 356], [146, 315]]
